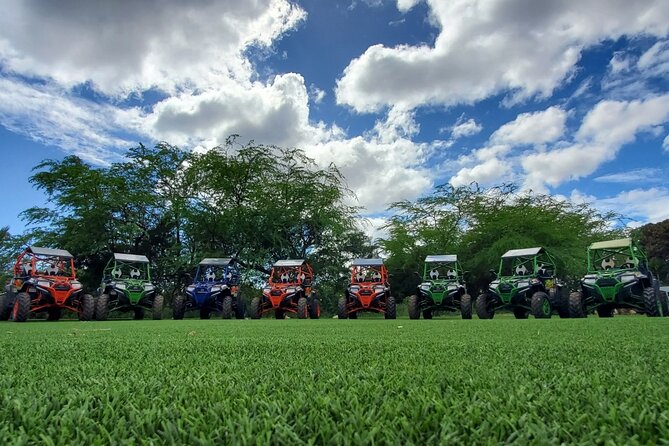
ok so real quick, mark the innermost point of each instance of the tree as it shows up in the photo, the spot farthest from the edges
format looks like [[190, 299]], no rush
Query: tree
[[479, 225], [257, 203], [654, 237]]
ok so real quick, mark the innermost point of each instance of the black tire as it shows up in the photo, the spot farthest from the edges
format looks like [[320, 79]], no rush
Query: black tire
[[541, 305], [178, 307], [576, 307], [664, 302], [227, 307], [559, 303], [102, 307], [53, 314], [157, 307], [279, 314], [651, 302], [413, 307], [391, 308], [21, 307], [254, 308], [484, 307], [605, 311], [466, 306], [520, 313], [139, 313], [5, 307], [240, 307], [87, 312], [205, 313], [427, 314], [302, 308], [315, 308], [341, 308]]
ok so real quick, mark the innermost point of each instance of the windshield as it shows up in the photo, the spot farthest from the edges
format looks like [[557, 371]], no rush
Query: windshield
[[517, 266], [441, 271], [372, 274], [47, 266], [610, 259], [128, 271], [288, 275], [215, 273]]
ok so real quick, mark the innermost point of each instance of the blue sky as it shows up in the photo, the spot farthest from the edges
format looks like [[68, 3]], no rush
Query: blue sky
[[569, 98]]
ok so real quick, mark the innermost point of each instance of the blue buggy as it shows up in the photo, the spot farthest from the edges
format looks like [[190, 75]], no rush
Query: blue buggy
[[215, 289]]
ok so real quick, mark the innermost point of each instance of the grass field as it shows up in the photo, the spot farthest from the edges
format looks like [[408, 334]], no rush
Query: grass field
[[333, 382]]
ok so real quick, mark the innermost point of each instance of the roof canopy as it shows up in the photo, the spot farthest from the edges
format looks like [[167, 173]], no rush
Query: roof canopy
[[130, 258], [290, 262], [367, 262], [49, 252], [527, 252], [612, 244], [217, 261], [441, 258]]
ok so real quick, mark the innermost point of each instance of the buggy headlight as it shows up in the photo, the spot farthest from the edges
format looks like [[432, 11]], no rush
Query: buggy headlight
[[75, 285], [44, 283], [379, 289], [190, 288], [524, 284], [590, 280], [266, 290], [215, 289], [120, 286], [291, 290], [627, 278], [494, 284], [354, 288], [425, 286]]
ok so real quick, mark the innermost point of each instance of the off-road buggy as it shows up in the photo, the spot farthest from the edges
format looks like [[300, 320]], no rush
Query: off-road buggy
[[215, 289], [443, 289], [617, 277], [525, 283], [289, 290], [45, 281], [369, 290], [126, 286]]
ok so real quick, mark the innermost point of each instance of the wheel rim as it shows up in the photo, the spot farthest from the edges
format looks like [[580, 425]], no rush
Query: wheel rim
[[546, 307]]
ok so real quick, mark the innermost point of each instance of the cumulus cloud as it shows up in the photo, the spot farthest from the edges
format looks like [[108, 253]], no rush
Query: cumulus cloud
[[532, 128], [490, 46], [126, 46], [464, 128], [643, 205], [47, 114], [604, 130]]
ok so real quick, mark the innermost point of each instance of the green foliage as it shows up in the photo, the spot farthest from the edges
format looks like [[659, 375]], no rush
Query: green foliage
[[479, 225], [655, 240], [257, 203], [335, 382]]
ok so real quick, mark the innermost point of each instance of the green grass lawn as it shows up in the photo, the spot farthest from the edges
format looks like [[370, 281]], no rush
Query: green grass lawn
[[332, 382]]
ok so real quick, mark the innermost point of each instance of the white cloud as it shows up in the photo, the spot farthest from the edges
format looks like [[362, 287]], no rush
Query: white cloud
[[490, 46], [127, 46], [487, 172], [47, 114], [464, 128], [644, 205], [532, 128], [604, 130], [647, 175], [316, 94], [665, 143]]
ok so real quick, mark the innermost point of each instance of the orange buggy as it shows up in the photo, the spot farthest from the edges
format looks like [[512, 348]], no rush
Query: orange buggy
[[45, 281], [369, 290], [289, 290]]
